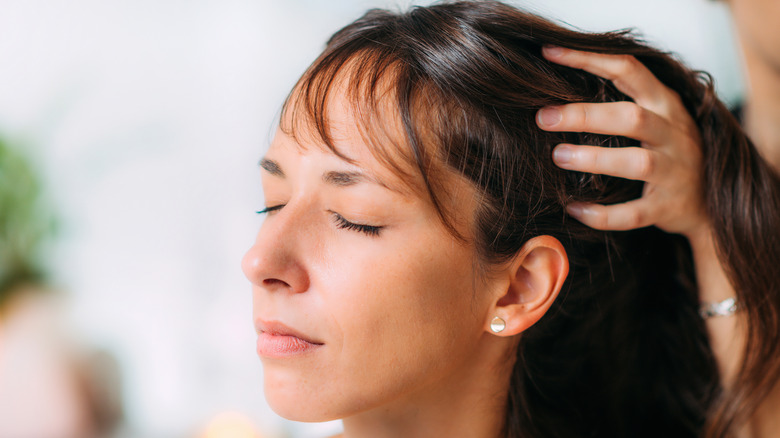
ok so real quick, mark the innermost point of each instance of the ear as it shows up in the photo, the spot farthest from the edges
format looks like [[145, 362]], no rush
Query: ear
[[534, 278]]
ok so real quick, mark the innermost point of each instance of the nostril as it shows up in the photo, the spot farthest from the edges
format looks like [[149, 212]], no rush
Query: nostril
[[274, 282]]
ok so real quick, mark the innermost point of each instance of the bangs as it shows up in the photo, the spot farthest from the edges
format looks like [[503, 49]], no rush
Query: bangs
[[396, 111], [367, 81]]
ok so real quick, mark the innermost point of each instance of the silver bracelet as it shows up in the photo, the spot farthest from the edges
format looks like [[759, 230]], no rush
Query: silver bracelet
[[724, 308]]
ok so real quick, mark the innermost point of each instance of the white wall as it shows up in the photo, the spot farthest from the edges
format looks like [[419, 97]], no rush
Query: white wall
[[149, 117]]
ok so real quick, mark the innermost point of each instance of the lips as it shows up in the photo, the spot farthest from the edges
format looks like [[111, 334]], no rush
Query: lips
[[276, 340]]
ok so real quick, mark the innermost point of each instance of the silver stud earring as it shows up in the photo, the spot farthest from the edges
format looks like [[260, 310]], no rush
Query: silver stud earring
[[497, 325]]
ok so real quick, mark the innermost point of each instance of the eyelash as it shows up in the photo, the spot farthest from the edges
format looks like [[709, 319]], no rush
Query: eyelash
[[341, 222], [371, 230], [270, 209]]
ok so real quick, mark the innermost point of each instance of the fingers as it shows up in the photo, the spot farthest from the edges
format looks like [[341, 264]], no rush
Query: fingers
[[631, 163], [669, 164], [612, 118], [628, 74], [620, 217]]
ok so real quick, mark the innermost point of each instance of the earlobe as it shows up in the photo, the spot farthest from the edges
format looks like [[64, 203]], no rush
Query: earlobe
[[535, 277], [497, 324]]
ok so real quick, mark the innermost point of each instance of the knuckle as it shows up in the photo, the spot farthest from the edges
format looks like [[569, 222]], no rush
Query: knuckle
[[645, 164], [670, 104], [636, 117], [637, 219], [572, 116], [625, 65], [601, 220], [633, 218], [596, 161], [586, 117]]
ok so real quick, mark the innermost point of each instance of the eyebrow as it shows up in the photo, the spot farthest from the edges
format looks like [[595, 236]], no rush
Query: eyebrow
[[335, 178], [345, 179], [272, 167]]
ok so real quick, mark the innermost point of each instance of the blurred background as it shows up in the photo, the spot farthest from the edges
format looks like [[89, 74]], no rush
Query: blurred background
[[130, 132]]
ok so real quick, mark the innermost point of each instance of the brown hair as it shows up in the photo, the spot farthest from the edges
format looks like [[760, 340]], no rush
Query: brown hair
[[623, 351]]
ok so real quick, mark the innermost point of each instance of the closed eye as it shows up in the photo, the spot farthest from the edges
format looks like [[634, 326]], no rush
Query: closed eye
[[270, 209], [371, 230]]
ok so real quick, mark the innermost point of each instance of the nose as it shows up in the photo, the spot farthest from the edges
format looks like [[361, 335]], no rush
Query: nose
[[274, 262]]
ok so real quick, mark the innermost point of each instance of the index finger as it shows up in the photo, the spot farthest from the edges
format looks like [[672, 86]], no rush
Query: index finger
[[629, 75]]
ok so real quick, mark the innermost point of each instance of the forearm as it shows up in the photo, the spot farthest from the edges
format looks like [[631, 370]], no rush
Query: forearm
[[726, 333]]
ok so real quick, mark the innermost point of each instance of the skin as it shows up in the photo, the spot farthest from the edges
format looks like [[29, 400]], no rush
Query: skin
[[669, 161], [758, 35], [402, 316]]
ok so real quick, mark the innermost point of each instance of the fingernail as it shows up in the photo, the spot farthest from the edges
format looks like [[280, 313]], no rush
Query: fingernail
[[549, 116], [562, 154], [581, 210], [575, 210], [552, 51]]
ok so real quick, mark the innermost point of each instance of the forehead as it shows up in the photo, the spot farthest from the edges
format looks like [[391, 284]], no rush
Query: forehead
[[354, 165], [355, 122]]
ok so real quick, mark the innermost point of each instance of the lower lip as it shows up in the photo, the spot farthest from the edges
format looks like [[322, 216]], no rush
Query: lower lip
[[269, 345]]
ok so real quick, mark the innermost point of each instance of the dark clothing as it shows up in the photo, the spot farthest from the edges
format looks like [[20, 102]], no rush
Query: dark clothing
[[738, 111]]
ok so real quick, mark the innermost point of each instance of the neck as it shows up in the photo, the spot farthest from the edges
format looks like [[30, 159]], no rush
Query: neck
[[469, 403], [762, 105]]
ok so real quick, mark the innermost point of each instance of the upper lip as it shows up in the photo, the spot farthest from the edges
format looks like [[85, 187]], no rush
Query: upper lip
[[277, 328]]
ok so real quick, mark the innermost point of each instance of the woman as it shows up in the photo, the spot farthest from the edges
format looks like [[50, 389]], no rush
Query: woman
[[418, 275]]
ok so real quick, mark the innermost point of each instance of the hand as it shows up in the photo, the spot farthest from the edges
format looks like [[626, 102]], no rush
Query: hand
[[669, 160]]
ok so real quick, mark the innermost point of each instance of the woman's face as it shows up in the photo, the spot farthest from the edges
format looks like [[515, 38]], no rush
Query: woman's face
[[361, 297]]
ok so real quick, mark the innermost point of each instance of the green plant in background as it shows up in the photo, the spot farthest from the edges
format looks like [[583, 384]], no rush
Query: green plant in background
[[26, 223]]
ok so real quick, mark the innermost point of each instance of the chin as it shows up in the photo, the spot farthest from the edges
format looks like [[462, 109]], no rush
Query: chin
[[290, 399], [293, 408]]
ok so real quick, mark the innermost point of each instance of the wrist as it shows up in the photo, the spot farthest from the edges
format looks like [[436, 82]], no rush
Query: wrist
[[726, 307]]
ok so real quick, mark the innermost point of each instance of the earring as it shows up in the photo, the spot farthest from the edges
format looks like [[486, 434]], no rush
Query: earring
[[497, 325]]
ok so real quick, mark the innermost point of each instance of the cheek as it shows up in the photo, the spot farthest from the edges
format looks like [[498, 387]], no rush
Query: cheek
[[417, 283], [400, 315]]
